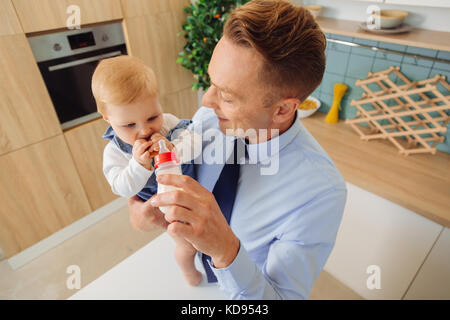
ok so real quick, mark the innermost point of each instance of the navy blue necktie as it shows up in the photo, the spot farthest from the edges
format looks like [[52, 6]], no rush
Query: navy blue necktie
[[225, 192]]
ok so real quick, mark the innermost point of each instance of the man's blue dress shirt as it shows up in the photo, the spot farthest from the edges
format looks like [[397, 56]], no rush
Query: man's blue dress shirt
[[286, 222]]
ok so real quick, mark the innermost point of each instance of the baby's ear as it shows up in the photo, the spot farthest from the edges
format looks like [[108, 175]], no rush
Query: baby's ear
[[105, 118]]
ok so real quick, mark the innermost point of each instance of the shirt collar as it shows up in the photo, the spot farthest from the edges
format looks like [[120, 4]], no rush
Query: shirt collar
[[261, 152], [111, 135]]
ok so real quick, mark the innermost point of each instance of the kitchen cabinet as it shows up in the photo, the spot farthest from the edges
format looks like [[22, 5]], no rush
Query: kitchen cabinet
[[86, 147], [151, 29], [50, 179], [41, 15], [183, 103], [9, 23], [433, 279], [40, 193], [135, 8], [27, 113], [153, 38]]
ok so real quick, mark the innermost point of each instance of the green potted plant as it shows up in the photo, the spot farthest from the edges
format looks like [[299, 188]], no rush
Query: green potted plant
[[202, 30]]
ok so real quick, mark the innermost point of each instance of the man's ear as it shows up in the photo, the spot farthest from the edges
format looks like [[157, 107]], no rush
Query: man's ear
[[285, 109]]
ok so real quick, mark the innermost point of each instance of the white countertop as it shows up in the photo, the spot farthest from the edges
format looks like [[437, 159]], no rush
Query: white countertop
[[150, 273]]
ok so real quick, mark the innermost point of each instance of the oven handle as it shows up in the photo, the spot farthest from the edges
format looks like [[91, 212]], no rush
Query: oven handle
[[85, 60]]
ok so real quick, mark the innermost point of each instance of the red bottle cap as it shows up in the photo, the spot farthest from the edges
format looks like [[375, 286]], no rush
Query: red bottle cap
[[164, 157]]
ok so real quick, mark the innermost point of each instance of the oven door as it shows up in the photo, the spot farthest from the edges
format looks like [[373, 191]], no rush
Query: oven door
[[68, 82]]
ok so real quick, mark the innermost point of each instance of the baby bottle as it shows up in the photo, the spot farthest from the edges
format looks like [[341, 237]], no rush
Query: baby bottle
[[166, 163]]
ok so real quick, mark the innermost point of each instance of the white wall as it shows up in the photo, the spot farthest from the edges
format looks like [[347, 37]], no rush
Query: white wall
[[419, 17]]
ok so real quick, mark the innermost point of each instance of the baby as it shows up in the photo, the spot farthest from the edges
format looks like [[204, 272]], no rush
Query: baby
[[126, 93]]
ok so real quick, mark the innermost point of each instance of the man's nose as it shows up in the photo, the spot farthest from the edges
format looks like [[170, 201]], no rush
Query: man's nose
[[209, 98]]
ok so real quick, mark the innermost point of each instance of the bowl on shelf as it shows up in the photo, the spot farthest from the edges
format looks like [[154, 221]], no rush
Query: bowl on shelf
[[315, 10], [308, 107], [390, 18]]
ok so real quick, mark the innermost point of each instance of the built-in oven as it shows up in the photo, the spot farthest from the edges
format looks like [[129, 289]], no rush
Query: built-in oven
[[67, 61]]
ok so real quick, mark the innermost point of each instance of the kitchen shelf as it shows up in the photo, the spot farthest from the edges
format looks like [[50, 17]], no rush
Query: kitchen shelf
[[419, 182], [430, 39]]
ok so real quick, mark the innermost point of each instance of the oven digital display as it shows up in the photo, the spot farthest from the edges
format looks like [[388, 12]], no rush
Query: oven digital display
[[81, 40]]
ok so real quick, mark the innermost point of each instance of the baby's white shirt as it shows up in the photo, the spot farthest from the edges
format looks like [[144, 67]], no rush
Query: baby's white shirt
[[127, 177]]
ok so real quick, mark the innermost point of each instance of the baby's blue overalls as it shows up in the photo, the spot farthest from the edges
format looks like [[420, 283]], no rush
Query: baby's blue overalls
[[152, 186]]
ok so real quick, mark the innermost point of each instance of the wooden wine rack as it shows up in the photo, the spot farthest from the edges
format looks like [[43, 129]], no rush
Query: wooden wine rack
[[412, 115]]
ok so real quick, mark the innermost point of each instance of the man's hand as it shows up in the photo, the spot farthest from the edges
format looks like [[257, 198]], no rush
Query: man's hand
[[145, 217], [204, 225]]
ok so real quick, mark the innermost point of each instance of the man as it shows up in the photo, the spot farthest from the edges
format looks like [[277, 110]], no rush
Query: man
[[284, 225]]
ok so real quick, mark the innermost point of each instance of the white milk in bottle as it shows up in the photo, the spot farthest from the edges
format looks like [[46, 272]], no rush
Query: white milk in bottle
[[166, 163]]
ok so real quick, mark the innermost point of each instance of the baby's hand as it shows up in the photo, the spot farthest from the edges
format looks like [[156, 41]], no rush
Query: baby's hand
[[142, 153], [155, 138]]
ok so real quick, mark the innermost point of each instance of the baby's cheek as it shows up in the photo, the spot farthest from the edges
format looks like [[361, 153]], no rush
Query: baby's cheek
[[157, 129], [129, 138], [124, 135]]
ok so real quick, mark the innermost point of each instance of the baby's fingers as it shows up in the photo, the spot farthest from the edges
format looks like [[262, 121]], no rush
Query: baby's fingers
[[146, 155], [155, 137], [154, 147], [143, 147]]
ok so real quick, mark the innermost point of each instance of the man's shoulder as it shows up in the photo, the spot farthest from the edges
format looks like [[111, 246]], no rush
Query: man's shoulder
[[203, 120], [314, 159], [204, 114]]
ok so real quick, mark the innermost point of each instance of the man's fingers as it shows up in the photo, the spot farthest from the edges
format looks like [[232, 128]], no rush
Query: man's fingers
[[134, 199], [138, 202], [137, 215], [174, 198], [143, 216], [176, 213], [179, 229]]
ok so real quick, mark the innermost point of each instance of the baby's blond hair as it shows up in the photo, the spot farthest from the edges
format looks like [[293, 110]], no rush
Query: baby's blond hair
[[120, 80]]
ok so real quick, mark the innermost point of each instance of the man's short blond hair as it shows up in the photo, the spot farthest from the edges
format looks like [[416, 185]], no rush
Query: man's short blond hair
[[121, 80]]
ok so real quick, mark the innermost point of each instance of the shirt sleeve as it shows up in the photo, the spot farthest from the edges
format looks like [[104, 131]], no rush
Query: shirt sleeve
[[126, 176], [294, 260]]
